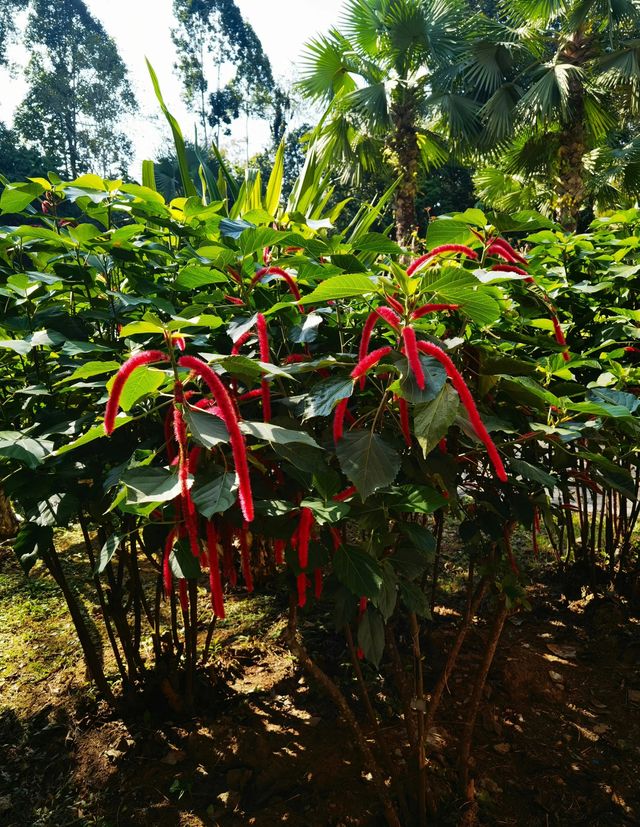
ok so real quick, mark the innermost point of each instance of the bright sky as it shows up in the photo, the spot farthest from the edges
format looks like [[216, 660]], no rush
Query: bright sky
[[142, 28]]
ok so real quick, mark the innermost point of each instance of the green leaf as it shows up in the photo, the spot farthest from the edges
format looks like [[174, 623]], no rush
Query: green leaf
[[274, 185], [134, 328], [324, 396], [20, 346], [326, 513], [28, 451], [205, 428], [435, 377], [144, 381], [387, 597], [368, 461], [371, 636], [340, 287], [178, 140], [416, 499], [216, 496], [107, 551], [276, 434], [151, 485], [30, 542], [194, 276], [534, 474], [448, 231], [90, 369], [433, 420], [182, 562], [358, 571], [414, 599], [15, 197]]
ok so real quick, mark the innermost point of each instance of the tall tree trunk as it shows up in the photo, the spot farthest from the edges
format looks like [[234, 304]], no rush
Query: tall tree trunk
[[406, 155], [570, 184]]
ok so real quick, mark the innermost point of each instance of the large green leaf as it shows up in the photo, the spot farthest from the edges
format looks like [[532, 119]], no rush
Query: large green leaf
[[324, 397], [151, 485], [275, 433], [371, 636], [340, 287], [30, 542], [433, 419], [28, 451], [447, 231], [358, 571], [368, 461], [205, 428], [182, 562], [215, 496]]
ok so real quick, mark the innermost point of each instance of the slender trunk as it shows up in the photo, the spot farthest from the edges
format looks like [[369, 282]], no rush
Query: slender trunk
[[406, 157]]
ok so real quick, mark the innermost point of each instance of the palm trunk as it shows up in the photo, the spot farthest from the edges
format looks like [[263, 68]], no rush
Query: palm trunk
[[405, 162], [570, 185]]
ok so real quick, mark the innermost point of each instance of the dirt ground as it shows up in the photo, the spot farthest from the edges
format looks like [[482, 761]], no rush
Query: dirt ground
[[557, 741]]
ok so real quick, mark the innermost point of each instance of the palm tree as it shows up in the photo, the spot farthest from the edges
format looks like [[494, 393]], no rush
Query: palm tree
[[549, 92], [374, 75]]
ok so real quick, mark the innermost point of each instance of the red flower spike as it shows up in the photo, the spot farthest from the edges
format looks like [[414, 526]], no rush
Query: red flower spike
[[241, 340], [467, 400], [419, 312], [278, 271], [317, 583], [278, 548], [295, 358], [395, 304], [365, 365], [184, 597], [367, 330], [510, 268], [389, 317], [166, 566], [179, 342], [336, 537], [346, 494], [442, 445], [497, 249], [172, 456], [506, 246], [304, 535], [231, 421], [215, 582], [362, 606], [559, 335], [301, 582], [265, 356], [403, 408], [444, 248], [234, 300], [359, 653], [245, 558], [630, 349], [144, 358], [338, 419], [411, 348], [244, 397]]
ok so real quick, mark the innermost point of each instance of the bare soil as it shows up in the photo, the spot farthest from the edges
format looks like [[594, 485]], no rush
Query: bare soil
[[557, 742]]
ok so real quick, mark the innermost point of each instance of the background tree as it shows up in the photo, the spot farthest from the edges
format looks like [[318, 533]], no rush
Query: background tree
[[18, 162], [375, 76], [549, 94], [212, 39], [78, 90]]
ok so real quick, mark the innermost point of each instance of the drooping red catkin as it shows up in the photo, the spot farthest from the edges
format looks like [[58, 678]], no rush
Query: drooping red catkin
[[467, 400], [230, 418], [172, 455], [559, 335], [184, 597], [215, 582], [338, 419], [317, 583], [444, 248], [301, 582], [234, 300], [403, 409], [419, 312], [387, 314], [278, 550], [535, 530], [244, 397], [188, 508], [362, 606], [296, 358], [246, 557], [166, 566], [265, 356], [411, 349], [278, 271], [179, 342], [341, 496], [393, 302], [144, 358], [241, 340], [509, 249], [365, 338], [304, 535], [509, 268], [369, 361], [336, 537]]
